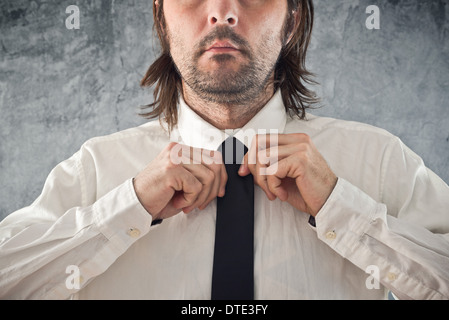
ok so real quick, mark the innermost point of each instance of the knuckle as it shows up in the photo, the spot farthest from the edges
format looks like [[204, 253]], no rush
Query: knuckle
[[262, 156], [210, 176], [259, 180], [302, 136], [201, 198], [306, 151], [306, 138], [171, 145], [216, 168], [196, 186], [168, 166], [303, 149]]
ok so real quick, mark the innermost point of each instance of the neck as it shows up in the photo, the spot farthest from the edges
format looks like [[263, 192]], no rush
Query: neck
[[226, 115]]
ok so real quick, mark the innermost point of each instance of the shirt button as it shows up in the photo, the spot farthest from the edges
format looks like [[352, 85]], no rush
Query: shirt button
[[134, 232], [331, 235], [392, 276]]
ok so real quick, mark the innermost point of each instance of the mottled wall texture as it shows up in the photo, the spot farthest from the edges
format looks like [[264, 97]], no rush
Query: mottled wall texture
[[60, 87]]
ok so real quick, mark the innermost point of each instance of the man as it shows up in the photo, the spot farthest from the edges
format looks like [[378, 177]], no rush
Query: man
[[342, 210]]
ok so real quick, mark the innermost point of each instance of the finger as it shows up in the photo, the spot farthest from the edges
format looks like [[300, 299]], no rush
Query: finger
[[206, 178], [264, 141], [183, 154], [249, 160], [259, 152], [221, 175], [244, 170], [274, 183], [267, 141], [217, 188], [168, 211], [214, 161], [188, 188], [214, 180], [258, 170], [213, 184], [278, 171], [260, 177], [275, 154], [292, 138], [251, 164], [223, 180]]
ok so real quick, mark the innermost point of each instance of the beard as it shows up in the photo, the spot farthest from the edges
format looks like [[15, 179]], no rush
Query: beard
[[224, 85]]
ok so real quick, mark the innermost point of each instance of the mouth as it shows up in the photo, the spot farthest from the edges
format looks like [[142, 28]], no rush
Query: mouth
[[222, 47]]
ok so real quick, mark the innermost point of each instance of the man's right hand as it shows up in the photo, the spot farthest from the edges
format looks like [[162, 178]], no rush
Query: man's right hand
[[180, 178]]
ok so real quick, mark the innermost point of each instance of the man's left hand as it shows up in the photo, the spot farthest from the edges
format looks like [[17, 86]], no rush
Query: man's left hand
[[289, 167]]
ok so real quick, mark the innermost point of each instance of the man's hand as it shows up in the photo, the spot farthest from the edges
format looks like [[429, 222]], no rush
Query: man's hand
[[180, 178], [289, 167]]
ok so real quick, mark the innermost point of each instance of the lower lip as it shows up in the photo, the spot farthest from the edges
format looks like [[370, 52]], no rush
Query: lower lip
[[222, 50]]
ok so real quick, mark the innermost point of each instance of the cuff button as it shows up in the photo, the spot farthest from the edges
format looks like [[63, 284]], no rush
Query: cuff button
[[134, 232], [331, 235]]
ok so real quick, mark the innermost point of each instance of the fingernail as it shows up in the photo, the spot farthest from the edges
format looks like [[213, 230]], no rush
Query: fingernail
[[187, 210]]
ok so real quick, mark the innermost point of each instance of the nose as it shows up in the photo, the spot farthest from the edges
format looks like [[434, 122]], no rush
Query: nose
[[223, 12]]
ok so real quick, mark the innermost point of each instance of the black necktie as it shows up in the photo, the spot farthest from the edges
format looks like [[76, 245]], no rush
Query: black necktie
[[233, 271]]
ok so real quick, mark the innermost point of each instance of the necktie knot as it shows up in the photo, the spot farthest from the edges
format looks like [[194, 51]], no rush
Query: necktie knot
[[232, 151]]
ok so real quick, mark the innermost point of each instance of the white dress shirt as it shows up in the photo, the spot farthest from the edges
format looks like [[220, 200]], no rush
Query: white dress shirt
[[384, 227]]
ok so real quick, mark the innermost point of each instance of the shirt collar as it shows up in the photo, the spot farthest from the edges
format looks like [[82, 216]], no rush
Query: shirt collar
[[194, 131]]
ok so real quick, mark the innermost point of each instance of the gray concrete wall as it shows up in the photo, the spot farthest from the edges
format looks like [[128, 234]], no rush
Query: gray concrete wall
[[60, 87]]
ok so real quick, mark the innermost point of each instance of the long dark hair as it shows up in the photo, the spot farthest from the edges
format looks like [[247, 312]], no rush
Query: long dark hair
[[291, 74]]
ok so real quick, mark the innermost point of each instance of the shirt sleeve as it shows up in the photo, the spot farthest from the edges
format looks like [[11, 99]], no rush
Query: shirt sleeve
[[402, 240], [54, 247]]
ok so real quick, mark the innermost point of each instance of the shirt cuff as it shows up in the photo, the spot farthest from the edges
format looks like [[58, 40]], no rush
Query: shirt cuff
[[120, 216], [346, 216]]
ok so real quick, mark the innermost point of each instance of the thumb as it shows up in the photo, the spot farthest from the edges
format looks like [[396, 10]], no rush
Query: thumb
[[189, 191], [275, 186], [244, 170]]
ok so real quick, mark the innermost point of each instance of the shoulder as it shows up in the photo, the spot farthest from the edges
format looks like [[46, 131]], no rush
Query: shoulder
[[333, 129], [343, 141], [150, 131], [151, 137]]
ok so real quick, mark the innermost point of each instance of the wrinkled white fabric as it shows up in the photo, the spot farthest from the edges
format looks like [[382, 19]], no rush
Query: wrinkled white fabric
[[384, 227]]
